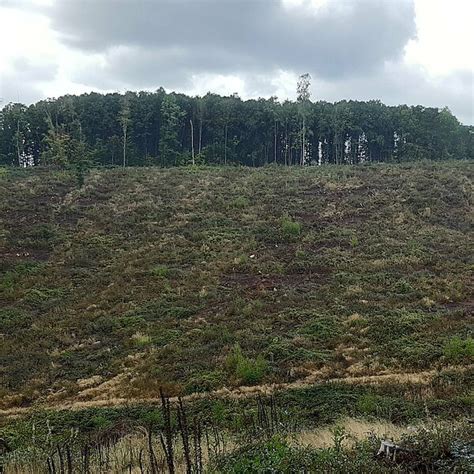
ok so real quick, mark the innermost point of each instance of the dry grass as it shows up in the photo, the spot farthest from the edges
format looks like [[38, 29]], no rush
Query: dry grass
[[99, 397], [356, 430]]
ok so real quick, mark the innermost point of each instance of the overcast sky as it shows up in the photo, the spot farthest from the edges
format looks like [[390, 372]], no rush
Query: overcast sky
[[399, 51]]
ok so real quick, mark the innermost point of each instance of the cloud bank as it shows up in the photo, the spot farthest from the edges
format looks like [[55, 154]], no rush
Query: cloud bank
[[352, 48]]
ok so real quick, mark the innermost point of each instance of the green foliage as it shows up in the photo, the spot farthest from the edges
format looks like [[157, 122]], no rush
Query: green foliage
[[233, 131], [100, 422], [249, 371], [458, 350], [171, 117], [354, 241], [13, 320], [321, 329], [240, 202], [160, 271], [369, 404], [278, 455], [289, 227], [271, 456], [403, 286], [152, 418], [206, 381], [141, 340]]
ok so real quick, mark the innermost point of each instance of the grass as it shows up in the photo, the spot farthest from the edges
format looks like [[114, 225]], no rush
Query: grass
[[146, 278], [239, 438]]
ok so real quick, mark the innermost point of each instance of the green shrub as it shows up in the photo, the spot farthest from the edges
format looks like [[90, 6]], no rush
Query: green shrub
[[271, 456], [140, 340], [289, 227], [459, 350], [387, 407], [37, 296], [13, 320], [249, 371], [152, 418], [403, 286], [321, 329], [368, 404], [160, 271], [205, 381], [101, 422], [7, 281], [252, 309], [240, 202]]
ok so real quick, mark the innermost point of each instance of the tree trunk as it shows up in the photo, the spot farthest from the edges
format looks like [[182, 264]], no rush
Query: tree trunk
[[124, 146], [303, 145], [200, 136], [18, 141], [225, 145], [275, 144], [192, 141]]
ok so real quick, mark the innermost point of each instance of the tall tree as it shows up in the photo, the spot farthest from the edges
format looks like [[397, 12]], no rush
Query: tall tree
[[171, 116], [303, 94], [192, 141], [201, 113], [124, 119]]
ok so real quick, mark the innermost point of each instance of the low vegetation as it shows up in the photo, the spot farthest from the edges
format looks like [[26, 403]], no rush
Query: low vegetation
[[267, 434], [196, 279], [329, 292]]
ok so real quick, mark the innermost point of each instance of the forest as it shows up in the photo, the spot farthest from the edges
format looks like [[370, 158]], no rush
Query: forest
[[172, 129]]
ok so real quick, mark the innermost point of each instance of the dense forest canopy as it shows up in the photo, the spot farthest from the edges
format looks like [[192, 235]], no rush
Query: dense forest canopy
[[167, 129]]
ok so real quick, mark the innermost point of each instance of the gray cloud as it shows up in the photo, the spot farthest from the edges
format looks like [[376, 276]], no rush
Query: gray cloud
[[352, 48], [22, 83], [232, 36], [397, 83]]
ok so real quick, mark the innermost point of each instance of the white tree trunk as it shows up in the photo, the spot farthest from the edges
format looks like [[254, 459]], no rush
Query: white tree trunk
[[303, 144], [192, 141], [225, 145], [124, 146]]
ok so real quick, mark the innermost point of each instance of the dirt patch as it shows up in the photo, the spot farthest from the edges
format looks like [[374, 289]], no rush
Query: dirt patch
[[466, 306]]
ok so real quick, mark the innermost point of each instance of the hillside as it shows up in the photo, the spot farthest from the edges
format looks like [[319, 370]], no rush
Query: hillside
[[198, 279]]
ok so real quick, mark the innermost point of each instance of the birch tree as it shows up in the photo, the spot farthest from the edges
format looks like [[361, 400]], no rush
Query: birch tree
[[303, 100], [124, 119]]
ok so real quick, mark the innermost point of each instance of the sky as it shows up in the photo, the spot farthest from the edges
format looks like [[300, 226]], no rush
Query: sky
[[398, 51]]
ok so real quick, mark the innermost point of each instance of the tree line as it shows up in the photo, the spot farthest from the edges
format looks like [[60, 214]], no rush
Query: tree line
[[171, 129]]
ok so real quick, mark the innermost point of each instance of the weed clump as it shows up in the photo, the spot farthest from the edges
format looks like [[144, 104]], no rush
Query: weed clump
[[160, 271], [459, 350], [290, 228], [240, 202], [249, 371], [140, 340]]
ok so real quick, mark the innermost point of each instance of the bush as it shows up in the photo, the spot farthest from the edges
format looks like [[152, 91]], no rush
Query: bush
[[459, 350], [289, 227], [240, 202], [249, 371], [160, 271], [140, 340], [271, 456], [13, 320]]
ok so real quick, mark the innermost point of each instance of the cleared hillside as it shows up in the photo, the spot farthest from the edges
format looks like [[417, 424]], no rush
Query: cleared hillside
[[198, 279]]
